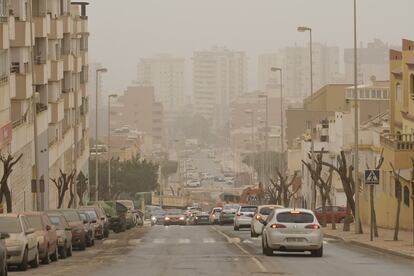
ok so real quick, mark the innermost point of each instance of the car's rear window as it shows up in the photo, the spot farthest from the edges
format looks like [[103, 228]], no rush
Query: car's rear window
[[248, 209], [265, 211], [174, 212], [10, 225], [289, 217], [71, 215], [35, 222], [57, 222]]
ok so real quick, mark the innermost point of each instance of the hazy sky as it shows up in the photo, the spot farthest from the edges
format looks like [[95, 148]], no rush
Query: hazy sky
[[122, 31]]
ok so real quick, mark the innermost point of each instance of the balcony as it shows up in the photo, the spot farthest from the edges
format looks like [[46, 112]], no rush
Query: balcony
[[12, 84], [56, 29], [56, 112], [42, 121], [68, 62], [69, 100], [56, 70], [42, 26], [41, 74], [4, 36], [83, 25], [67, 24], [77, 64], [85, 58], [54, 92], [24, 89], [398, 142], [22, 34]]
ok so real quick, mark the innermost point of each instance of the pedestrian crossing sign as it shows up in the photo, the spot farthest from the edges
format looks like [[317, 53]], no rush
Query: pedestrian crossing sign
[[372, 177]]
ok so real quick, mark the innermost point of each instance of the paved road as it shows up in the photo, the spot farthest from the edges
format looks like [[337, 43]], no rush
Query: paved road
[[216, 250]]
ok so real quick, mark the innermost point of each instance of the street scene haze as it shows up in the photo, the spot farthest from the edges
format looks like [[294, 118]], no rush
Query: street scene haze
[[206, 137]]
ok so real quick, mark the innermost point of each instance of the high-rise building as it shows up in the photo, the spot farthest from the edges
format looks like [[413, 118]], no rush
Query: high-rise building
[[372, 61], [219, 76], [46, 43], [166, 74], [295, 62]]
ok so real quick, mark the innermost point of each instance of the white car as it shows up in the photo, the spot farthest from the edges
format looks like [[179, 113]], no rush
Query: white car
[[194, 183], [262, 212], [243, 218], [22, 247], [292, 230]]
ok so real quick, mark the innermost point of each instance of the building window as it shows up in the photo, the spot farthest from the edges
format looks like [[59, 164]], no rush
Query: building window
[[366, 94], [412, 86], [373, 94], [379, 94], [398, 96], [406, 196], [385, 94], [4, 64]]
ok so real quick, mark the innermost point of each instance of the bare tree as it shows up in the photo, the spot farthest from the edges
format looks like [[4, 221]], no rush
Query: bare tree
[[398, 194], [63, 183], [81, 186], [8, 161], [282, 192]]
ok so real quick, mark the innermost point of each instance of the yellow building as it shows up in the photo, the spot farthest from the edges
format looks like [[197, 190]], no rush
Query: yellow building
[[398, 144]]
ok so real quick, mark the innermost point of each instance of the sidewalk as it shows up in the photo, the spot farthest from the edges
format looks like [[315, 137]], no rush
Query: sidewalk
[[384, 243]]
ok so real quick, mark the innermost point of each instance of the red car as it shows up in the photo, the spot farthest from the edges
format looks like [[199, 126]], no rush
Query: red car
[[338, 212]]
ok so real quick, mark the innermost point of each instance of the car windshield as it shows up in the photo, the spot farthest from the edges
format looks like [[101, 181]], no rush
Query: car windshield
[[295, 217], [231, 206], [91, 214], [174, 212], [57, 221], [248, 209], [158, 213], [10, 225], [265, 211], [35, 222], [83, 216], [217, 210], [71, 215]]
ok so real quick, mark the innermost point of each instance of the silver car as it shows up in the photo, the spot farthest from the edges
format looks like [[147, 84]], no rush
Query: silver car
[[243, 218], [292, 230]]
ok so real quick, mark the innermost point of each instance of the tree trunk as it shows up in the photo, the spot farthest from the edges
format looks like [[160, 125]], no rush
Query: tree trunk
[[8, 198], [333, 214], [374, 217], [397, 221]]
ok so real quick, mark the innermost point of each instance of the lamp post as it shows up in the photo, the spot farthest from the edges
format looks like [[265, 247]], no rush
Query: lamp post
[[100, 70], [251, 113], [282, 130], [109, 141], [266, 163]]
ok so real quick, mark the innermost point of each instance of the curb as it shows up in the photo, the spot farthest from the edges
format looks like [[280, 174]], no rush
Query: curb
[[369, 246]]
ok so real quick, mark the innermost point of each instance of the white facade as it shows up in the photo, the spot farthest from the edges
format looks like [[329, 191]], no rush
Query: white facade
[[219, 76]]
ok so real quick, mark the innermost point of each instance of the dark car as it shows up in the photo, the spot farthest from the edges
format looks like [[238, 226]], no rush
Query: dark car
[[88, 223], [158, 217], [337, 212], [64, 234], [117, 222], [228, 213], [98, 224], [174, 216], [201, 218], [76, 224], [3, 254]]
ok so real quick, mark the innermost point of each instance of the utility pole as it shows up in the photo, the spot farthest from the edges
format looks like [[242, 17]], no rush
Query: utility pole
[[109, 142], [266, 155]]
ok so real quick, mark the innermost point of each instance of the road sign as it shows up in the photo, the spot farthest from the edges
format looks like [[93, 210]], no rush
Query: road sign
[[372, 177]]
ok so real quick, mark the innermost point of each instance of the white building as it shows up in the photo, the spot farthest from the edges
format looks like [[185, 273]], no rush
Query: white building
[[166, 74], [219, 76]]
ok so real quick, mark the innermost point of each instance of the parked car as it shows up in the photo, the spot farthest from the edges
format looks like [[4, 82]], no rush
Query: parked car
[[76, 224], [64, 234], [261, 213], [117, 221], [149, 209], [174, 216], [46, 235], [3, 254], [98, 225], [22, 247], [292, 230], [215, 215], [123, 209], [243, 218], [228, 213], [338, 212], [88, 224], [158, 217]]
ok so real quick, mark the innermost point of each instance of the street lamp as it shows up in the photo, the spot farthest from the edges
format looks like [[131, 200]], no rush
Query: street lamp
[[282, 146], [303, 29], [251, 113], [109, 141], [100, 70], [266, 137]]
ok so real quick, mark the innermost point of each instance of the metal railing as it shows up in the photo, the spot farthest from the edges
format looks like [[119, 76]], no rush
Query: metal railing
[[398, 142]]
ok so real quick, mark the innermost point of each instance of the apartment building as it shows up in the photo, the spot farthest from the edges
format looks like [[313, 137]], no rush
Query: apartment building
[[219, 76], [166, 74], [372, 61], [295, 62], [46, 43], [139, 112]]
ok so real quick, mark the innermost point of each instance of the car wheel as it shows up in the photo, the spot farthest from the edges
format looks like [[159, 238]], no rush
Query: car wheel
[[317, 252], [253, 235], [236, 228], [92, 242], [265, 249], [342, 220], [55, 256], [45, 259], [23, 264], [63, 253], [35, 262], [82, 246], [106, 233], [69, 251]]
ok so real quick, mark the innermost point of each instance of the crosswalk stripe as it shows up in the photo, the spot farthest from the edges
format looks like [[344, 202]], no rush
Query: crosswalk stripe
[[159, 241], [110, 241], [183, 241], [209, 240]]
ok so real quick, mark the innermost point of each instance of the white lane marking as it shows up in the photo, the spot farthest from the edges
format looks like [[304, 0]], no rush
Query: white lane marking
[[110, 241], [247, 241], [254, 259], [183, 241], [159, 241], [209, 240], [134, 241]]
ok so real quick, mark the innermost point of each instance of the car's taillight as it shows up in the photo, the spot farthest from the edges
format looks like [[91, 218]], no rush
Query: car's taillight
[[258, 217], [277, 226], [312, 226], [238, 214]]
